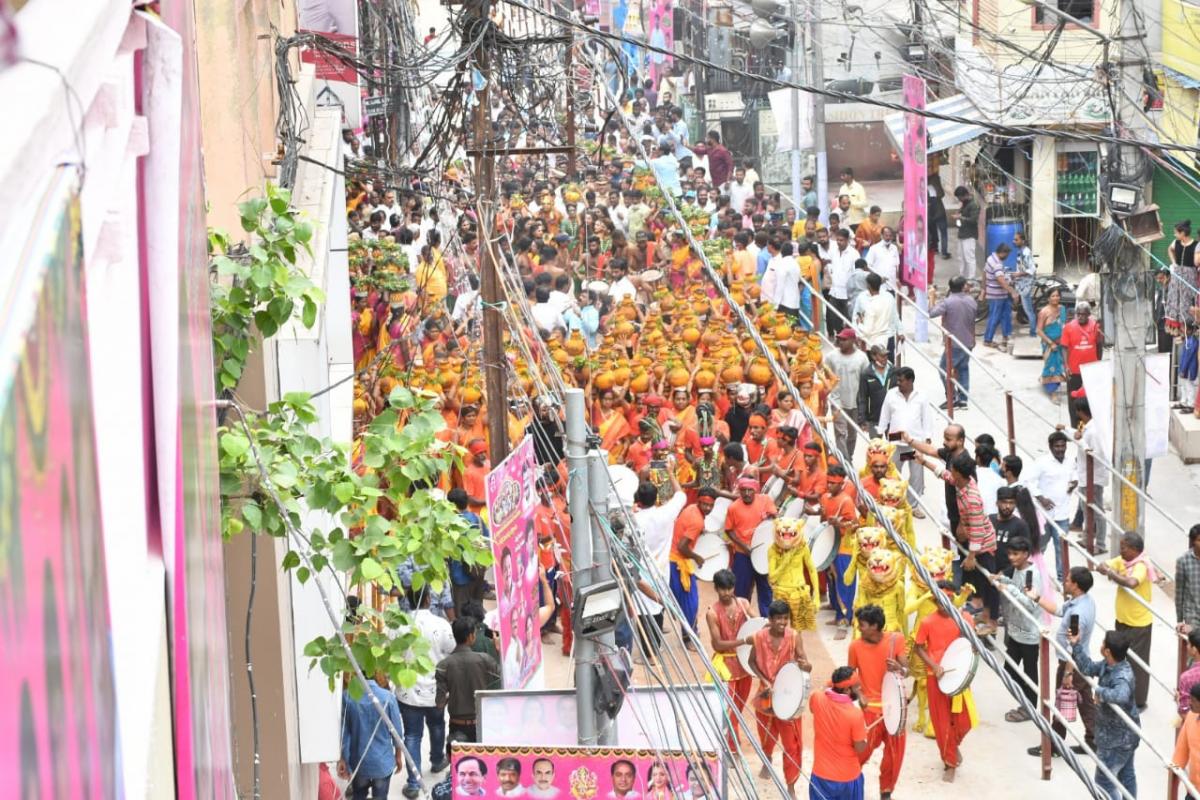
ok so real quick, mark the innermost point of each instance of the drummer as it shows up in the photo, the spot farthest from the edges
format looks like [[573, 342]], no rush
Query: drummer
[[744, 515], [838, 508], [771, 648], [761, 452], [839, 738], [812, 480], [952, 717], [684, 560], [874, 655], [724, 619]]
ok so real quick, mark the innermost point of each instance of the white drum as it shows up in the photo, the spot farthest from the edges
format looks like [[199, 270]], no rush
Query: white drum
[[715, 521], [793, 509], [774, 487], [651, 275], [959, 662], [749, 628], [624, 483], [823, 544], [895, 703], [714, 551], [599, 287], [764, 534], [791, 691], [760, 559]]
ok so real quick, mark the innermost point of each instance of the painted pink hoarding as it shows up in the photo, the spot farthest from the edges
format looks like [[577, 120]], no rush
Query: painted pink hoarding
[[57, 705], [583, 773], [511, 499], [916, 237]]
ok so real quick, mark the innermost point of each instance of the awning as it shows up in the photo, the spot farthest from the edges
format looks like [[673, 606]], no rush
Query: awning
[[1186, 81], [943, 134]]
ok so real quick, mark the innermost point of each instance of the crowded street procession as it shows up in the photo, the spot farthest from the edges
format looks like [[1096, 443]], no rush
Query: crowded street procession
[[600, 400], [791, 611]]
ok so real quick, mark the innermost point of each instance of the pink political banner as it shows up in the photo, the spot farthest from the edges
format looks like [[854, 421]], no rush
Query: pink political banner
[[512, 499], [583, 773], [914, 267]]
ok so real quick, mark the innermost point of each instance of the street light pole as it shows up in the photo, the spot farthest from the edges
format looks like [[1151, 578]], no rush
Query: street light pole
[[796, 56], [818, 110]]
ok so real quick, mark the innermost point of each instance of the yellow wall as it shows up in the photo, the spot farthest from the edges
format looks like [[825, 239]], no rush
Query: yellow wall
[[237, 98], [1181, 38], [1179, 115]]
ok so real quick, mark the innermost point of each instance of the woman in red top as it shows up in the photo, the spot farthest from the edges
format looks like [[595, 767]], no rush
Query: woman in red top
[[724, 620]]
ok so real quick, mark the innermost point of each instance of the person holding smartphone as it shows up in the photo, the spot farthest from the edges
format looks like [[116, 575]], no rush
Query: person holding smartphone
[[1021, 631], [1077, 609]]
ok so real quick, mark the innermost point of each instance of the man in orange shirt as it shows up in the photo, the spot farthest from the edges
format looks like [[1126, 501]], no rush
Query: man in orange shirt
[[725, 618], [812, 481], [744, 515], [638, 456], [839, 738], [772, 647], [838, 507], [688, 527], [475, 475], [760, 451], [874, 655], [934, 635]]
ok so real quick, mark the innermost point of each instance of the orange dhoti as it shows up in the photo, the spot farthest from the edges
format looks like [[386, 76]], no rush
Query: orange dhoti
[[950, 726], [893, 748], [739, 690], [788, 733]]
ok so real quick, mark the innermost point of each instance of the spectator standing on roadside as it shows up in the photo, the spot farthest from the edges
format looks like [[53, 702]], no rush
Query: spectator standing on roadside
[[1187, 584], [878, 378], [1115, 741], [368, 752], [1076, 603], [1083, 340], [968, 232], [418, 703], [459, 676], [958, 313], [849, 364], [1133, 571]]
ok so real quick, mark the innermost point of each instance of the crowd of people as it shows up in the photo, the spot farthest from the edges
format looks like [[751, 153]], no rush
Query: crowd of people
[[604, 292]]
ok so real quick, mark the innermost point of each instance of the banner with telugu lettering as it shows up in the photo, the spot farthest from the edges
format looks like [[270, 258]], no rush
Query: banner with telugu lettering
[[916, 238], [511, 499]]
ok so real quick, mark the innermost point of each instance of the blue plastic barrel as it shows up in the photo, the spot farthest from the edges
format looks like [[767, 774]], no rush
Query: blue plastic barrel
[[1003, 230]]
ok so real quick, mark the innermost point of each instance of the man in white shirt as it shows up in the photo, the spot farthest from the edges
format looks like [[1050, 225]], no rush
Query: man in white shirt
[[418, 703], [786, 291], [545, 314], [848, 363], [621, 286], [1090, 438], [467, 304], [389, 206], [560, 295], [905, 410], [1051, 481], [841, 266], [656, 525], [769, 277], [740, 188], [876, 317], [883, 258]]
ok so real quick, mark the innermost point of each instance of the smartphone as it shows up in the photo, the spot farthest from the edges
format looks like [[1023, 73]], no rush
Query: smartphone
[[906, 452], [1074, 623], [1028, 581]]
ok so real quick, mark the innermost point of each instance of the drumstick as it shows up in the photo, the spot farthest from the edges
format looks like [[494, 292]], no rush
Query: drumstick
[[873, 724]]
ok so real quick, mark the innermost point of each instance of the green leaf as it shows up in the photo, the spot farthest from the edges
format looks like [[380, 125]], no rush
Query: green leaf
[[400, 397], [314, 648], [343, 491], [302, 575], [252, 514], [371, 569], [309, 318], [291, 560], [234, 445]]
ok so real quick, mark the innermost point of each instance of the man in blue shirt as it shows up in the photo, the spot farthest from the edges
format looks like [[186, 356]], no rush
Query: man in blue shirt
[[1076, 603], [467, 582], [1116, 742], [368, 752], [666, 169]]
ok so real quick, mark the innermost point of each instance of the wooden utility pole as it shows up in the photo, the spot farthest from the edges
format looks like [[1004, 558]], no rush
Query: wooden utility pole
[[495, 378], [571, 106]]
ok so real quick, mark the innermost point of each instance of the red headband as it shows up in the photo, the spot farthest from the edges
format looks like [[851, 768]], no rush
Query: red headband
[[853, 680]]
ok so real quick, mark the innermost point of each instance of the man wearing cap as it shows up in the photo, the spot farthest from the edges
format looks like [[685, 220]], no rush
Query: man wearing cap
[[849, 364], [744, 515], [1083, 340], [839, 738]]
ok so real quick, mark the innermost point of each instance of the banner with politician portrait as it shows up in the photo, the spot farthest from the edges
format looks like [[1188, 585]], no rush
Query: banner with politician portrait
[[583, 773], [512, 499]]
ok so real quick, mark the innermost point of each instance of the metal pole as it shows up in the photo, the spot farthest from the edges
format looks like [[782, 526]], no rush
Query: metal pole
[[581, 556], [947, 345], [1012, 425], [571, 106], [496, 390], [818, 111], [1044, 694], [794, 68], [1181, 663], [1089, 514], [601, 569]]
